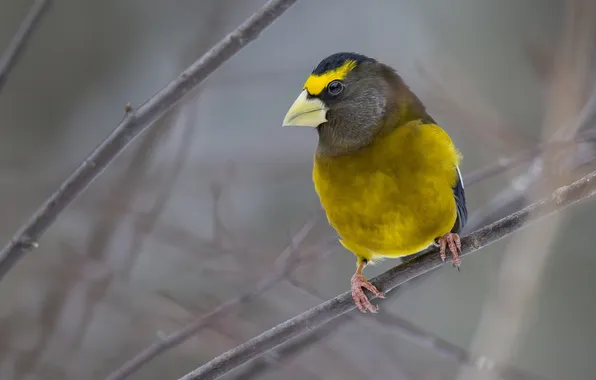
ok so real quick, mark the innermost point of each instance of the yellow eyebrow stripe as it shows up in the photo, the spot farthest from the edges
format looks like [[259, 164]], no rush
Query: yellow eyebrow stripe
[[315, 84]]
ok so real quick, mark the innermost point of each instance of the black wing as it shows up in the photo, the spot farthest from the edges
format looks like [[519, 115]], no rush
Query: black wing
[[460, 202]]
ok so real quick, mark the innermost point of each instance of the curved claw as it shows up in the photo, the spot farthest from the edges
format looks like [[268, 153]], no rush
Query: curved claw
[[360, 299], [453, 242]]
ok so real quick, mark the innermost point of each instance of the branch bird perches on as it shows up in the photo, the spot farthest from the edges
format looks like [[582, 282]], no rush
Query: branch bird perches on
[[318, 315]]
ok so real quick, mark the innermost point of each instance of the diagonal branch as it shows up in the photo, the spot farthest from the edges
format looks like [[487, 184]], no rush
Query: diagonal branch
[[284, 353], [17, 45], [385, 323], [529, 155], [132, 125], [317, 316]]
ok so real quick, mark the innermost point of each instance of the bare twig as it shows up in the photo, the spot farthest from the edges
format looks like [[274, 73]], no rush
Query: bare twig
[[284, 264], [132, 125], [527, 155], [512, 197], [257, 368], [19, 41], [449, 350], [311, 319], [284, 353], [424, 339]]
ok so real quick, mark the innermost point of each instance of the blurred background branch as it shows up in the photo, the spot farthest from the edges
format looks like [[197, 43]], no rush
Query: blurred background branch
[[135, 122], [386, 322], [18, 43], [287, 261]]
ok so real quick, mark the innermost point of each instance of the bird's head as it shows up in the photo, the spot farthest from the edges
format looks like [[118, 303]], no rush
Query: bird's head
[[350, 98]]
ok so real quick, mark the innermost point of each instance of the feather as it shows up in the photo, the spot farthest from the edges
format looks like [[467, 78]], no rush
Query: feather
[[460, 202]]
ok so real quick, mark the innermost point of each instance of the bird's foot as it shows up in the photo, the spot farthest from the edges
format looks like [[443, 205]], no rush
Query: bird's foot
[[451, 241], [360, 299]]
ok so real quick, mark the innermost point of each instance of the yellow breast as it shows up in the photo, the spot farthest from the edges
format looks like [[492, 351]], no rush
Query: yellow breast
[[393, 197]]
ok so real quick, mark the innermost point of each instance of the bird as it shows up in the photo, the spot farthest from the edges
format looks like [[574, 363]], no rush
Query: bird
[[386, 174]]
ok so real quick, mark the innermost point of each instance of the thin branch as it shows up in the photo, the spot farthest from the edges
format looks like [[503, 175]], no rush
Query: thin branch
[[315, 317], [425, 339], [527, 155], [274, 358], [19, 41], [512, 196], [132, 125], [290, 350], [282, 266], [451, 351]]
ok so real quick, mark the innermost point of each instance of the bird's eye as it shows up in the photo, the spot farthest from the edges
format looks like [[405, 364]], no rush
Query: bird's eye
[[335, 88]]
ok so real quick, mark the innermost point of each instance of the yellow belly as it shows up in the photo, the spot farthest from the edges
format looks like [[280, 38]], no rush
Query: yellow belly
[[393, 197]]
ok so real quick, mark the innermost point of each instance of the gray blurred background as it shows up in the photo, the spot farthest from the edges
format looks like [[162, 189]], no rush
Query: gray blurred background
[[197, 209]]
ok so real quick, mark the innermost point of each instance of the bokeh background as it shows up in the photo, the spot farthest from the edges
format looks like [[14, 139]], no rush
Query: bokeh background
[[197, 210]]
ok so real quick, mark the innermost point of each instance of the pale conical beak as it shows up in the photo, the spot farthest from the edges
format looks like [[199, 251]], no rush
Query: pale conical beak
[[306, 112]]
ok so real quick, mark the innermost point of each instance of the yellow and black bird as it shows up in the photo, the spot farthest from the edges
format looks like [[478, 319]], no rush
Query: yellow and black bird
[[386, 174]]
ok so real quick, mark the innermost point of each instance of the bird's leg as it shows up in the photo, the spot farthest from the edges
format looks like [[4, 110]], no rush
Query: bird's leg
[[360, 299], [451, 241]]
